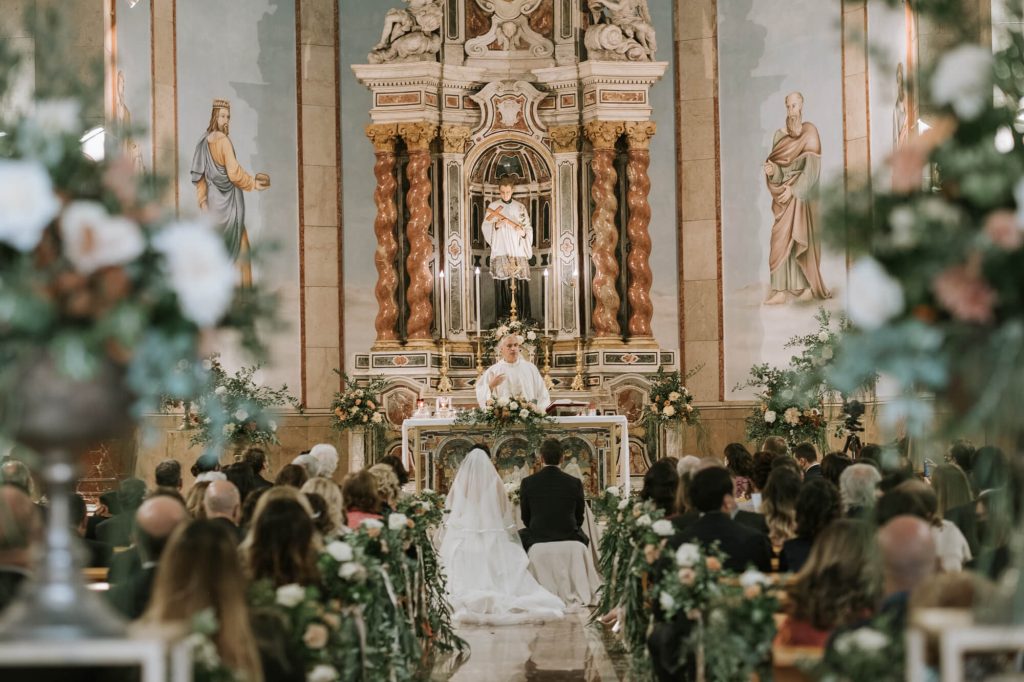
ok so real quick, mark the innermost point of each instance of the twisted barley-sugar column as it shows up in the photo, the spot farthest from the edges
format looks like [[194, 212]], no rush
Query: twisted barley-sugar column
[[383, 136], [638, 264], [417, 138], [603, 136]]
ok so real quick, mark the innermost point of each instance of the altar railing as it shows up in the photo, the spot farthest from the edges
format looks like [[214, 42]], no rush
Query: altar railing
[[606, 437]]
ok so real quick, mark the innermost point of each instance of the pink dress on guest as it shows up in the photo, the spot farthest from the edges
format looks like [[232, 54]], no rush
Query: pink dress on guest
[[354, 517]]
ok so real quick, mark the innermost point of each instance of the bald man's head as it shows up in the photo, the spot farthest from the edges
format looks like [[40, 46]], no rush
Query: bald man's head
[[155, 520], [908, 552], [20, 526], [13, 472], [222, 499]]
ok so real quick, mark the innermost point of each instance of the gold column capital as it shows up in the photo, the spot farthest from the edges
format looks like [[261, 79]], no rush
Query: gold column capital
[[563, 138], [454, 138], [419, 135], [639, 133], [383, 136], [603, 134]]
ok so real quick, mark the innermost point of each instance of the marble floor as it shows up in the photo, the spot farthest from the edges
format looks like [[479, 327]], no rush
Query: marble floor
[[567, 649]]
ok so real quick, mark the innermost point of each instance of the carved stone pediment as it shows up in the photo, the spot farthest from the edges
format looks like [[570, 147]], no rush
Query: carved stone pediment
[[510, 27], [508, 107]]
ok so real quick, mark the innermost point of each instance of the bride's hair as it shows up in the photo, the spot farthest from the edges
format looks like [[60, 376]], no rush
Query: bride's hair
[[483, 448]]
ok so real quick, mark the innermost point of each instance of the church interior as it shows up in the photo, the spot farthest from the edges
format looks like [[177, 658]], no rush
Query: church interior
[[343, 246]]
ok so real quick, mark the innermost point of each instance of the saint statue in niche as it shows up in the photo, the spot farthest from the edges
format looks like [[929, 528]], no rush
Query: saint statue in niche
[[792, 172], [507, 230], [220, 181]]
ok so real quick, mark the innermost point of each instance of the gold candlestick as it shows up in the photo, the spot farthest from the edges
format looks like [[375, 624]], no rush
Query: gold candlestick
[[444, 384], [547, 341], [577, 381], [512, 316], [479, 355]]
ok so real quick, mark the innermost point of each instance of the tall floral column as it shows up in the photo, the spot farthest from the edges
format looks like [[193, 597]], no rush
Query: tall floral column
[[603, 136], [418, 137], [383, 136], [638, 135]]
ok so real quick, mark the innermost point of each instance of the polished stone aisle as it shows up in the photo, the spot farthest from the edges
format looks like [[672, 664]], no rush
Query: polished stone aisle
[[566, 649]]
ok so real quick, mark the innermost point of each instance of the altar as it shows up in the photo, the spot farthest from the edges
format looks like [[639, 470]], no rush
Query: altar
[[433, 448]]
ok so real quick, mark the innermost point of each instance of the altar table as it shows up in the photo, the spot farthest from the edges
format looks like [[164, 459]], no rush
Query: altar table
[[616, 425]]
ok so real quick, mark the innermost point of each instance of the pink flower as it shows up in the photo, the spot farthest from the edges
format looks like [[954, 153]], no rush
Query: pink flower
[[1002, 228], [965, 294]]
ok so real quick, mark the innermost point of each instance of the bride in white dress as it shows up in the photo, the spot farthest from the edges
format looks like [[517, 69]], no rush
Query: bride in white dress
[[488, 577]]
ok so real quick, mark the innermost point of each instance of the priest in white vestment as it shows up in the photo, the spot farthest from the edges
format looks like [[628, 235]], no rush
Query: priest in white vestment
[[512, 376], [508, 231]]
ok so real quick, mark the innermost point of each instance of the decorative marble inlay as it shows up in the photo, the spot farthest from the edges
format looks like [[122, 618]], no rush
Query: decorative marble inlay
[[396, 99], [451, 101], [629, 358], [623, 97], [400, 360], [567, 101], [568, 247]]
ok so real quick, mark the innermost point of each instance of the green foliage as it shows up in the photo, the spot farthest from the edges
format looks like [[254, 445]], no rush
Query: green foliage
[[359, 406], [670, 404], [865, 653], [525, 328], [501, 415]]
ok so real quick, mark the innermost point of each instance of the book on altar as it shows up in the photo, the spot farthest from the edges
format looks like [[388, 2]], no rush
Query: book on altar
[[566, 407]]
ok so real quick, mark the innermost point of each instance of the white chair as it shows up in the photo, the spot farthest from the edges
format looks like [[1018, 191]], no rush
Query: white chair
[[566, 569]]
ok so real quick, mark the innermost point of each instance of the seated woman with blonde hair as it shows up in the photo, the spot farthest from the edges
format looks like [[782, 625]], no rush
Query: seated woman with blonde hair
[[388, 488]]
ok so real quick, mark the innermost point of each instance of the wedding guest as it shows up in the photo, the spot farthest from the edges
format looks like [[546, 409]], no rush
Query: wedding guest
[[388, 489], [361, 499], [779, 504], [222, 505], [870, 454], [858, 489], [761, 469], [205, 463], [14, 472], [249, 508], [684, 513], [108, 506], [839, 585], [156, 520], [117, 530], [309, 463], [194, 501], [806, 456], [396, 464], [776, 445], [660, 484], [326, 457], [291, 475], [19, 534], [952, 489], [961, 453], [833, 465], [817, 506], [330, 492], [98, 553], [321, 522], [256, 458], [740, 463], [281, 545], [950, 545], [168, 474], [185, 587], [240, 474]]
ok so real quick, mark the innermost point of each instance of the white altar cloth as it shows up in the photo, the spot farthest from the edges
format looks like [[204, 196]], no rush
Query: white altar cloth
[[614, 422]]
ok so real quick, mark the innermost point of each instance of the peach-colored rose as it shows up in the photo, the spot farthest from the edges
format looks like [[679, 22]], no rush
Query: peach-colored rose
[[713, 563], [751, 591], [963, 291], [687, 576], [1002, 228], [651, 553], [315, 636]]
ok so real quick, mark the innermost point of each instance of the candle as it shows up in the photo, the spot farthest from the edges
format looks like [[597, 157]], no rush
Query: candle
[[576, 300], [440, 277], [479, 326], [546, 302]]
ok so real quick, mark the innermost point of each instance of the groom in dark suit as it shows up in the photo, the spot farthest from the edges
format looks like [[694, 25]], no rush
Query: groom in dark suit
[[552, 501]]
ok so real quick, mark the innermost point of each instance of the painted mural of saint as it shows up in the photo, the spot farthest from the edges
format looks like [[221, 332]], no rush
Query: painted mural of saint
[[792, 171], [900, 112], [220, 181]]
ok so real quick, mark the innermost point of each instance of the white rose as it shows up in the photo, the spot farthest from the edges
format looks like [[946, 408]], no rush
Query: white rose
[[770, 416], [200, 270], [613, 490], [963, 79], [241, 415], [524, 413], [687, 555], [372, 523], [340, 551], [869, 639], [902, 220], [823, 337], [644, 520], [27, 203], [531, 336], [751, 577], [228, 429], [290, 595], [623, 504], [322, 673], [875, 297], [397, 521], [272, 425], [674, 396], [669, 410], [663, 527], [502, 402], [428, 491], [94, 239], [350, 570], [791, 416], [513, 405], [377, 418], [220, 390], [667, 601]]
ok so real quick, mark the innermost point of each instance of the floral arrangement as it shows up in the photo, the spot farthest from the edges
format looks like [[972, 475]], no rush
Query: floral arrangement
[[864, 653], [938, 281], [670, 404], [359, 406], [632, 542], [207, 665], [786, 407], [514, 492], [527, 329], [236, 409], [502, 414]]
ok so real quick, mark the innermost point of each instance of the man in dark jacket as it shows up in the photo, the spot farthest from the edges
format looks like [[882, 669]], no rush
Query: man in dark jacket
[[117, 530], [807, 457], [552, 502]]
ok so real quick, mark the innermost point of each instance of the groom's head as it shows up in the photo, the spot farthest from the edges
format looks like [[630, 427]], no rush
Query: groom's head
[[551, 452]]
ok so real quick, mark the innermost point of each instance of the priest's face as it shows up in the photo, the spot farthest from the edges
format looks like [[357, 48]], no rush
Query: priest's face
[[510, 349], [506, 192]]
